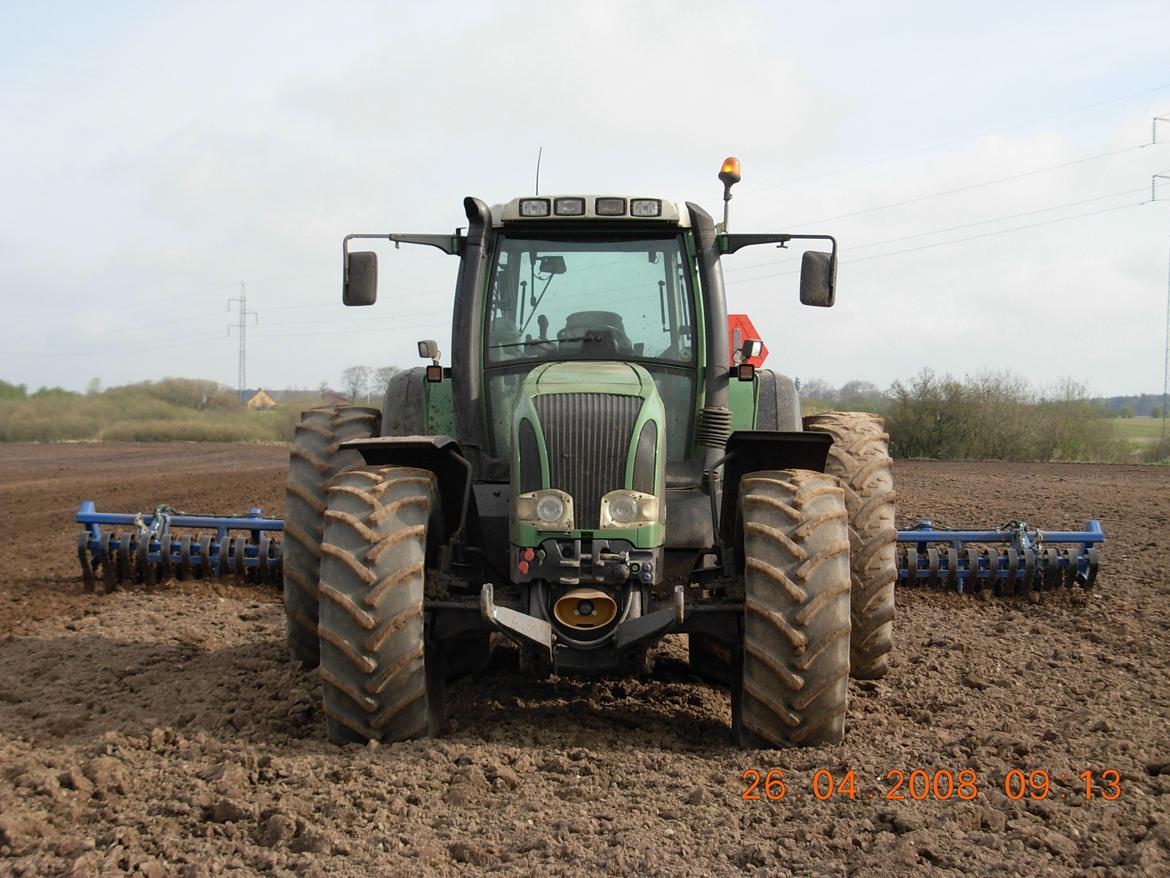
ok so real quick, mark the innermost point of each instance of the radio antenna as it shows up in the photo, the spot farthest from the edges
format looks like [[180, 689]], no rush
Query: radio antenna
[[539, 153]]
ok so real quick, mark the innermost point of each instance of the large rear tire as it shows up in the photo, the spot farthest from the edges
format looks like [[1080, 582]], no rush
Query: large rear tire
[[404, 409], [374, 668], [778, 403], [794, 680], [860, 458], [313, 461]]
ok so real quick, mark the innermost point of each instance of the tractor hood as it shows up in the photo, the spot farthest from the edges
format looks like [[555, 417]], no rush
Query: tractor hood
[[586, 429], [586, 377]]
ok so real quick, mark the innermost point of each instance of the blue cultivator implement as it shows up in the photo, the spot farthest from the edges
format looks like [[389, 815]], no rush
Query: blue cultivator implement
[[1013, 560], [167, 544]]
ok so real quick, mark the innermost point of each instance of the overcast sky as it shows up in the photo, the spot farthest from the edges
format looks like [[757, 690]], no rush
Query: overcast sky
[[155, 156]]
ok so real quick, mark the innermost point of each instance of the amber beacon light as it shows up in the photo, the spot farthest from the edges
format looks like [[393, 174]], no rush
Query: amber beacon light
[[729, 176], [729, 173]]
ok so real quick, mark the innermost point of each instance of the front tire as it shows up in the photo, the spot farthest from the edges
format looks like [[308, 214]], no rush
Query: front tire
[[794, 680], [374, 663]]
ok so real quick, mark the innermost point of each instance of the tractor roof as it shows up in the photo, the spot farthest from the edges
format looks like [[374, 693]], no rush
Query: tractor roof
[[593, 208]]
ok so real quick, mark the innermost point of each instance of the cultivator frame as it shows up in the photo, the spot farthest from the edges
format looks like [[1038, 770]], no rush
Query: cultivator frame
[[971, 560], [1013, 560], [151, 552]]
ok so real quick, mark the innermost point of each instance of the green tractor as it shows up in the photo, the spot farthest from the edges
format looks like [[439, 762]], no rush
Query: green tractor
[[596, 469]]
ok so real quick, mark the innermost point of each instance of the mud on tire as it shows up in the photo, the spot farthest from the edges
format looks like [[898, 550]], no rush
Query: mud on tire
[[860, 458], [313, 461], [796, 610], [373, 662]]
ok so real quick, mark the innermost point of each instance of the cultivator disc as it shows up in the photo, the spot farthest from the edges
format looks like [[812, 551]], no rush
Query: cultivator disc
[[1012, 561], [168, 545]]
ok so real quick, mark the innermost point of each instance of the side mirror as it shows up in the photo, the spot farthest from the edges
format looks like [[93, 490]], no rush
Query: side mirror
[[360, 285], [818, 279]]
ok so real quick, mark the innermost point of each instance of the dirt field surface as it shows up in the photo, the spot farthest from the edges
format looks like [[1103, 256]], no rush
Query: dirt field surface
[[167, 732]]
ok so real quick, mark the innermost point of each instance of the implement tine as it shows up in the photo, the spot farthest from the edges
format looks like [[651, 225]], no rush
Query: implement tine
[[122, 554], [973, 582], [262, 568], [950, 558], [1025, 588], [184, 568], [109, 580], [1091, 567], [166, 567], [1051, 567], [205, 567], [1013, 572], [143, 569], [83, 555], [239, 550], [1071, 565]]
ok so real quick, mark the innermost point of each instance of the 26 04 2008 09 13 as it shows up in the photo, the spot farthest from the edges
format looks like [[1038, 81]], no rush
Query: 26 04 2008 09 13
[[965, 784]]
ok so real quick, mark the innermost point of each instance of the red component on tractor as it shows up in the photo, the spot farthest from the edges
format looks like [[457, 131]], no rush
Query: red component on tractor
[[739, 329]]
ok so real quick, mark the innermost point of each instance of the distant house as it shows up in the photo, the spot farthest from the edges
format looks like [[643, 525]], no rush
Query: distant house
[[298, 400], [259, 400]]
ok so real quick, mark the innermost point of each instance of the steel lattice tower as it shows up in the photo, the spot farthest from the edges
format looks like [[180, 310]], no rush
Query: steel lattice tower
[[242, 331]]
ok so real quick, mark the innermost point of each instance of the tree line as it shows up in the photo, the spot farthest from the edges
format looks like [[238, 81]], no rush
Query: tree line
[[986, 416]]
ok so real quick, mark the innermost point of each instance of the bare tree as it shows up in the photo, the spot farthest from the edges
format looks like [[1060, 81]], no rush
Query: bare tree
[[818, 389], [858, 393], [356, 380], [382, 378]]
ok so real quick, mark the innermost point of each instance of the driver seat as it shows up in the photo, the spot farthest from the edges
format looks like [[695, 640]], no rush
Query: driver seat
[[607, 324]]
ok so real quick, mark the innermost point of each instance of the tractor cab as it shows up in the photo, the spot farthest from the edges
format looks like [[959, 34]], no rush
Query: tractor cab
[[573, 287]]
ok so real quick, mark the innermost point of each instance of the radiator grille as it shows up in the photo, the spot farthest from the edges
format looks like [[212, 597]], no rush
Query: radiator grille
[[588, 437]]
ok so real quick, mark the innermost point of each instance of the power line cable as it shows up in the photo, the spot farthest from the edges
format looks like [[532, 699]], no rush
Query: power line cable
[[954, 241], [919, 149], [972, 186], [949, 228]]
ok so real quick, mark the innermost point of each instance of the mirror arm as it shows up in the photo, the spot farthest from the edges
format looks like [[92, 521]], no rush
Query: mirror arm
[[452, 245], [734, 243], [829, 238]]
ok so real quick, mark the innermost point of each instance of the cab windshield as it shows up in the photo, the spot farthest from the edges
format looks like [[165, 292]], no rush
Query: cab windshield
[[611, 299]]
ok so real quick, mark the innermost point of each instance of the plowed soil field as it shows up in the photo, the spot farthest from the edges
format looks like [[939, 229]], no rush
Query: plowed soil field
[[167, 732]]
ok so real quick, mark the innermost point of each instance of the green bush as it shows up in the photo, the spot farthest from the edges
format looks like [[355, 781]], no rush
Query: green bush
[[1156, 452], [997, 416], [12, 391]]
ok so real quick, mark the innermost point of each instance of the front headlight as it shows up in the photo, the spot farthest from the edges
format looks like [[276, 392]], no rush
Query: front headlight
[[550, 508], [628, 509], [547, 509]]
